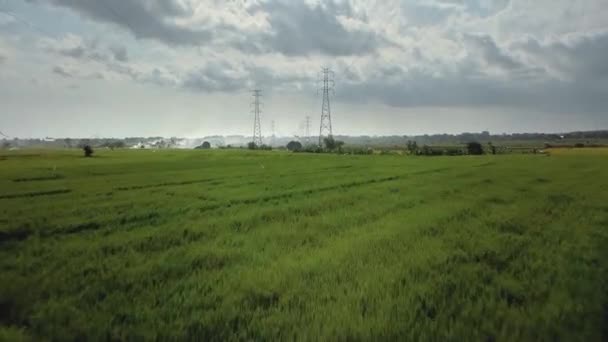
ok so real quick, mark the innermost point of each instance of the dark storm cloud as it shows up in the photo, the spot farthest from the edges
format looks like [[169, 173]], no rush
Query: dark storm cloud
[[224, 77], [297, 28], [301, 29], [582, 57], [145, 19], [485, 47], [583, 87]]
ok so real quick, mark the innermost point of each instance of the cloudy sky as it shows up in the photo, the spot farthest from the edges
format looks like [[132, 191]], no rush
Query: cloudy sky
[[118, 68]]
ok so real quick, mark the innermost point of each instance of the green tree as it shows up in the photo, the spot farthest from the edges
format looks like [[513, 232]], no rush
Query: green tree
[[492, 147], [294, 146], [474, 148], [332, 144], [412, 147], [88, 151]]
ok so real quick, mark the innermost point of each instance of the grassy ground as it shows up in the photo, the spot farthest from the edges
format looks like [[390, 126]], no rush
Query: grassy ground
[[225, 245]]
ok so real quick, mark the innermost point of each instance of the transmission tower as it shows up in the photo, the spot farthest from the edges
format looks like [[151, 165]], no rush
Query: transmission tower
[[328, 86], [273, 133], [307, 137], [257, 130]]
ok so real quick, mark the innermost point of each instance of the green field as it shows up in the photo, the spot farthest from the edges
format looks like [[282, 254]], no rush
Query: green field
[[241, 245]]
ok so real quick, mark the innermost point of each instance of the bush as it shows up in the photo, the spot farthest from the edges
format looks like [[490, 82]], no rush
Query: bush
[[332, 144], [474, 148], [429, 151], [412, 147], [204, 146], [311, 149], [88, 151], [294, 146], [358, 150], [252, 146], [452, 151]]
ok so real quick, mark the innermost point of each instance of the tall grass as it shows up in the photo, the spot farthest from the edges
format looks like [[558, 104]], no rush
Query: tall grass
[[230, 245]]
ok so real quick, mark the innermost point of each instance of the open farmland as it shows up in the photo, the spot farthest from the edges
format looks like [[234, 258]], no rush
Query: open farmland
[[233, 245]]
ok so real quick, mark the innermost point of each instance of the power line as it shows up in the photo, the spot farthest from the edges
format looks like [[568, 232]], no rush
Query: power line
[[325, 128], [257, 129]]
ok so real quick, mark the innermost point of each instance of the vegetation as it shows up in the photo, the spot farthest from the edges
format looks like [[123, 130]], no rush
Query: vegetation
[[253, 245], [294, 146], [474, 148], [88, 151], [332, 144], [204, 146]]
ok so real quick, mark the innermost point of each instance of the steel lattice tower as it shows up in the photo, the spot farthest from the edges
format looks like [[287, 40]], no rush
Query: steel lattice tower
[[307, 139], [257, 129], [325, 129], [273, 137]]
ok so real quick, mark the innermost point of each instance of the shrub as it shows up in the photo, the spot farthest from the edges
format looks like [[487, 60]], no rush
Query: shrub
[[88, 151], [204, 146], [474, 148], [332, 144], [294, 146]]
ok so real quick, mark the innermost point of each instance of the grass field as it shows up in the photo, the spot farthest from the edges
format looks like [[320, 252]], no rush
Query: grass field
[[227, 245]]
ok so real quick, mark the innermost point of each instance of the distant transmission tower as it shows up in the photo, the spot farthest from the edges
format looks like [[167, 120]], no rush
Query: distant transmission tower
[[307, 137], [273, 133], [257, 130], [328, 86]]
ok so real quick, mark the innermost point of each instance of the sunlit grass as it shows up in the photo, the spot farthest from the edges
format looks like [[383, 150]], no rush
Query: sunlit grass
[[270, 245]]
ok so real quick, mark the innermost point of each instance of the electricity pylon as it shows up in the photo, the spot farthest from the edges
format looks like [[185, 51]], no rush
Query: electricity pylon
[[307, 136], [325, 129], [257, 129]]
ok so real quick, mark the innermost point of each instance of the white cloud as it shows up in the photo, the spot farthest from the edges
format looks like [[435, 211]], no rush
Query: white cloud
[[525, 55]]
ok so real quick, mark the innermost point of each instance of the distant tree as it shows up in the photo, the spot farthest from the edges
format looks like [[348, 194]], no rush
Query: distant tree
[[492, 147], [82, 143], [206, 145], [88, 151], [6, 144], [294, 146], [339, 145], [251, 145], [332, 144], [412, 147], [68, 142], [474, 148], [116, 144]]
